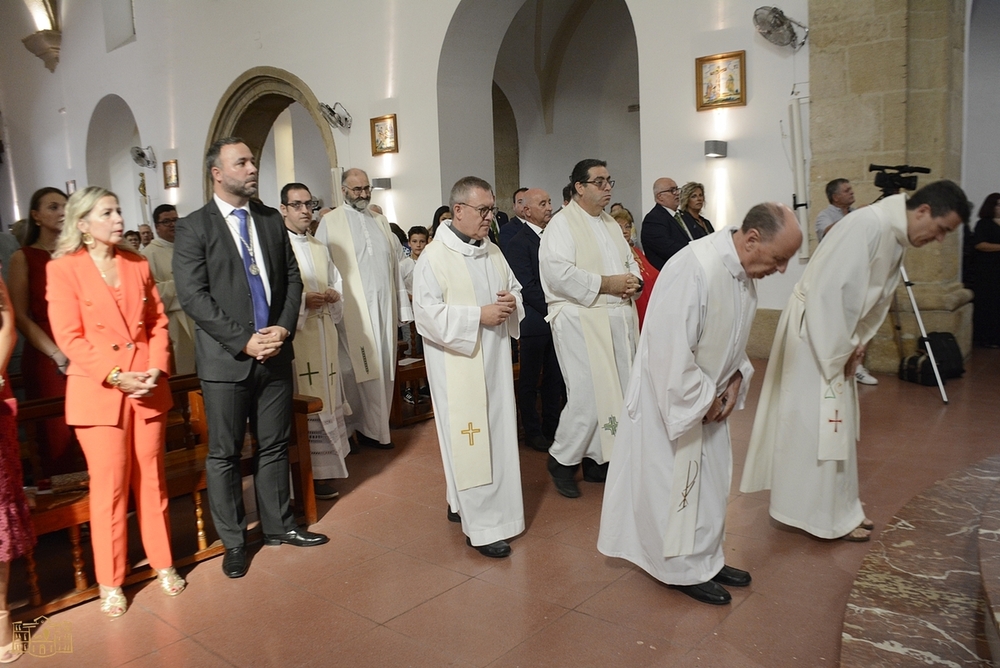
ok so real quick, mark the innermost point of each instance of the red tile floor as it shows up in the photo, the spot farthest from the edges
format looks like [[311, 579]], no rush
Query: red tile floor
[[397, 586]]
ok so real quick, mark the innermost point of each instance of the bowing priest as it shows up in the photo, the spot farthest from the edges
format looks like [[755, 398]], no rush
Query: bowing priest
[[316, 342], [589, 276], [467, 304], [803, 443], [665, 501], [368, 256]]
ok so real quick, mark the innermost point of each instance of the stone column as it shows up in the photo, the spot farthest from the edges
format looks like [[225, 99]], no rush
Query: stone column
[[886, 82]]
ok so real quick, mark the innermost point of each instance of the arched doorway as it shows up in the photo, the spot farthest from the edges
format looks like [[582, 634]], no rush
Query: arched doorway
[[570, 72], [252, 104], [110, 137], [981, 153]]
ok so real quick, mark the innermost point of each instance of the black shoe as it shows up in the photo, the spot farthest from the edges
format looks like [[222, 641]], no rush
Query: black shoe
[[298, 538], [564, 478], [424, 391], [594, 472], [732, 577], [324, 491], [234, 562], [497, 550], [408, 395], [453, 517], [706, 592], [372, 443], [539, 443]]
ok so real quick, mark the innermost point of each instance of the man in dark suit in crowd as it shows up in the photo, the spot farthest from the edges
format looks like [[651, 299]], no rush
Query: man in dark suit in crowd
[[537, 354], [236, 276], [664, 231], [514, 225]]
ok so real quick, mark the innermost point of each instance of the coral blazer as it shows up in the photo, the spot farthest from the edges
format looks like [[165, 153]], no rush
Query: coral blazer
[[96, 335]]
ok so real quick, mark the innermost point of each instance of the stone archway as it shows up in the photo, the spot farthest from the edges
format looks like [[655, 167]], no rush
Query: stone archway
[[111, 134], [251, 104]]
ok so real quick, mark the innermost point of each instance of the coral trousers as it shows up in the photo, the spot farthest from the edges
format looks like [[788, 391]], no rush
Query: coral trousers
[[129, 454]]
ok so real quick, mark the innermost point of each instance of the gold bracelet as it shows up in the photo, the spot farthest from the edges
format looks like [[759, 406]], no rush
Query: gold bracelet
[[114, 378]]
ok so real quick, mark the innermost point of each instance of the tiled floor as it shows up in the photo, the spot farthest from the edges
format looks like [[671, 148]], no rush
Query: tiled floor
[[397, 586]]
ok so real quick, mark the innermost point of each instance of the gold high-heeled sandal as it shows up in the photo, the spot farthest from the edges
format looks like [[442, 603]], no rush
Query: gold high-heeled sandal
[[170, 581], [113, 602]]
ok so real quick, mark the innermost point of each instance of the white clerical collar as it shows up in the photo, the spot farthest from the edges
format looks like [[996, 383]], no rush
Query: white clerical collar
[[450, 237], [534, 228], [723, 241], [301, 238]]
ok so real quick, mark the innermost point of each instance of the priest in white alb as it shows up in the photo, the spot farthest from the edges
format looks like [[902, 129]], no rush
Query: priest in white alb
[[803, 444], [160, 254], [368, 255], [316, 349], [467, 304], [589, 276], [665, 499]]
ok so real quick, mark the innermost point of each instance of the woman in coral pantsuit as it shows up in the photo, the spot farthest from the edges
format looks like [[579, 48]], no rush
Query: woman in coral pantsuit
[[107, 317]]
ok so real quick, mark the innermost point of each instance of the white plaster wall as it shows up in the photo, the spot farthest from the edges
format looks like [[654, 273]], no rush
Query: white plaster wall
[[981, 153], [312, 167], [378, 57], [598, 80]]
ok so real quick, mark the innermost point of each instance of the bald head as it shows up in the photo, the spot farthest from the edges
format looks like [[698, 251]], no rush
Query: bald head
[[665, 192], [768, 239], [536, 207]]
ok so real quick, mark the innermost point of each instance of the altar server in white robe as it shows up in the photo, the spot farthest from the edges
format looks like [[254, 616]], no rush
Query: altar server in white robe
[[589, 276], [316, 349], [467, 304], [160, 255], [368, 255], [665, 502], [803, 444]]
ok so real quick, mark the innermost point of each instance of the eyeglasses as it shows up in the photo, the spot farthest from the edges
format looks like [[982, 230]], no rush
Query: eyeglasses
[[483, 210], [672, 191], [308, 205], [359, 190], [600, 182]]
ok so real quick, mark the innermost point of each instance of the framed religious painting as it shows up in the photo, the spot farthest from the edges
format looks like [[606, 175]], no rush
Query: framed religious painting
[[720, 80], [171, 175], [384, 136]]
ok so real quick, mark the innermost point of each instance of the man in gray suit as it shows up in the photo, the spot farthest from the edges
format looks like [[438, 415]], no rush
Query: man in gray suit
[[236, 276]]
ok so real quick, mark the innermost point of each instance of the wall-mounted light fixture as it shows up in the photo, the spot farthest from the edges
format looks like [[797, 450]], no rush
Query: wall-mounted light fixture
[[382, 184], [715, 149]]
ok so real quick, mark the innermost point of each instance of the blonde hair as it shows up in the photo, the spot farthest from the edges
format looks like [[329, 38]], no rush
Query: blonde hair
[[79, 206], [686, 191], [623, 215]]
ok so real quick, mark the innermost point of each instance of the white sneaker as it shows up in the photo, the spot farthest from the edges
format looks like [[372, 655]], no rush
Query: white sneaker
[[864, 377]]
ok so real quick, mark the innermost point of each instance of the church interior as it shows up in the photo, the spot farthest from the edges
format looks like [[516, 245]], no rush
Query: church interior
[[516, 92]]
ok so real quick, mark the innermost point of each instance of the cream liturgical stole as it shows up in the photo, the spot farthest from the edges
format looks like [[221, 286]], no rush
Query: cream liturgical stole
[[595, 320], [312, 339], [838, 424], [713, 352], [465, 375], [357, 320]]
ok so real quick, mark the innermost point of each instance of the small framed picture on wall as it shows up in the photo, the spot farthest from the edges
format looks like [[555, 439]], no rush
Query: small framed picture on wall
[[384, 136], [720, 80], [171, 176]]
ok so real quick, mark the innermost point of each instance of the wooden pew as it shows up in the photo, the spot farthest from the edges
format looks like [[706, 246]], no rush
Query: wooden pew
[[185, 472]]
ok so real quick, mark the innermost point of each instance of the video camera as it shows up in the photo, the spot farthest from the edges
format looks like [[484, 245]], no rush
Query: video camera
[[890, 180]]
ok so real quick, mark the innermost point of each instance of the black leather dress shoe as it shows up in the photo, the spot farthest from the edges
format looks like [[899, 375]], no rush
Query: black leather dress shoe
[[539, 443], [594, 472], [564, 478], [706, 592], [372, 443], [453, 517], [298, 538], [732, 577], [497, 550], [234, 562]]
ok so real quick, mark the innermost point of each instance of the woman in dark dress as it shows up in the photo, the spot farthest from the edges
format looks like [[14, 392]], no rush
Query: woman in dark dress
[[16, 536], [692, 201], [986, 313], [43, 365]]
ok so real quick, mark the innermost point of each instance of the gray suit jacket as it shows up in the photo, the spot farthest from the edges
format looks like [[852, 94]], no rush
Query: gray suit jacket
[[213, 289]]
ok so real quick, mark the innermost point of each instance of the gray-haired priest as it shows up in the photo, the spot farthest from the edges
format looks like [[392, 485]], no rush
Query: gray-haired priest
[[467, 305], [665, 501]]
